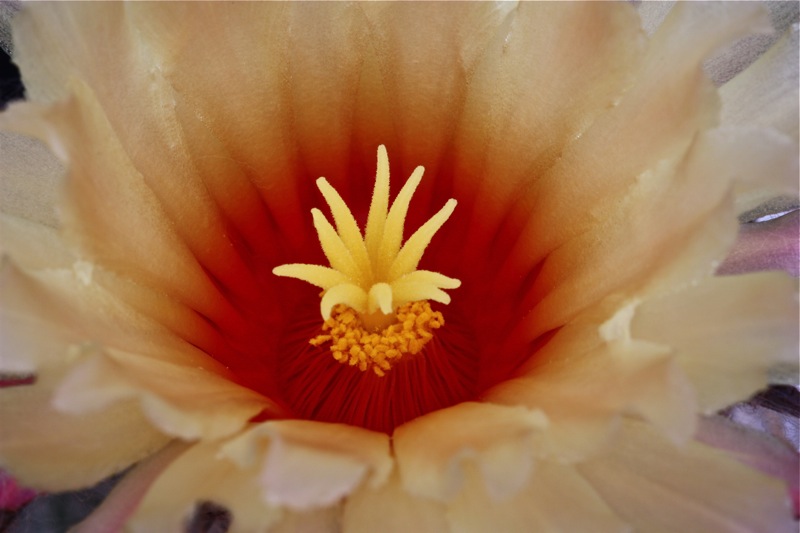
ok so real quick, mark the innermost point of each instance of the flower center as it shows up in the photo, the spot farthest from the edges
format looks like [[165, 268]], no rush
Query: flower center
[[374, 300]]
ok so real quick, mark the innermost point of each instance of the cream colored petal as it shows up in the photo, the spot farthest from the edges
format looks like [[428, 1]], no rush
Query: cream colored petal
[[584, 387], [534, 91], [305, 465], [30, 179], [392, 509], [766, 94], [658, 487], [27, 338], [113, 513], [632, 249], [556, 499], [653, 14], [621, 151], [33, 245], [736, 58], [731, 60], [47, 310], [106, 193], [727, 332], [185, 401], [433, 451], [50, 450], [202, 475], [417, 60], [327, 520], [763, 162], [186, 187], [758, 449]]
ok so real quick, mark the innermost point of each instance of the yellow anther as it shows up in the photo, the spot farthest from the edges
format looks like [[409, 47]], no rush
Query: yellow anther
[[354, 345]]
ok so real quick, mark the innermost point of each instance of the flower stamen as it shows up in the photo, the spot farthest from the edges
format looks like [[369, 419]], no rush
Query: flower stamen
[[372, 289], [351, 343]]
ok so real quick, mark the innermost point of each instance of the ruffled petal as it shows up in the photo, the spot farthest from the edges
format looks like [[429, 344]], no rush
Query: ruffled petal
[[185, 401], [659, 487], [727, 333], [585, 384], [766, 94], [391, 508], [202, 475], [535, 90], [613, 217], [433, 451], [51, 450], [124, 498], [555, 499], [30, 179], [305, 465], [757, 449]]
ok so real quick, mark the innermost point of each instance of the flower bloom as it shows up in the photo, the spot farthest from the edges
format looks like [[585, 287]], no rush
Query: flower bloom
[[583, 344]]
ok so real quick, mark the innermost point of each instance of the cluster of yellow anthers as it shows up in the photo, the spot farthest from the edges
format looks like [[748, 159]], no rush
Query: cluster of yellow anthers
[[352, 344], [374, 300]]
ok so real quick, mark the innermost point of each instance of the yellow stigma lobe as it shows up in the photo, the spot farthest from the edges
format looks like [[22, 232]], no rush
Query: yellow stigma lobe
[[373, 283]]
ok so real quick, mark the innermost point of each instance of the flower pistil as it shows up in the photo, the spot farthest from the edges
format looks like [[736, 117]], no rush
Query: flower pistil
[[375, 301]]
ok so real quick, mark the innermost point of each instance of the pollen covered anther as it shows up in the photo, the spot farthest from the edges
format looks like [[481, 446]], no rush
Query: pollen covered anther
[[372, 286], [354, 345]]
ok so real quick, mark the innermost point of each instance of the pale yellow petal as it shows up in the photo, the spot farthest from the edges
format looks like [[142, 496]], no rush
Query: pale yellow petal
[[634, 251], [106, 193], [535, 90], [584, 386], [51, 450], [621, 150], [30, 179], [658, 487], [305, 465], [556, 499], [434, 451], [198, 476], [766, 94], [115, 510], [727, 332], [392, 509], [325, 520], [730, 60], [653, 14], [185, 401], [47, 310], [409, 98]]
